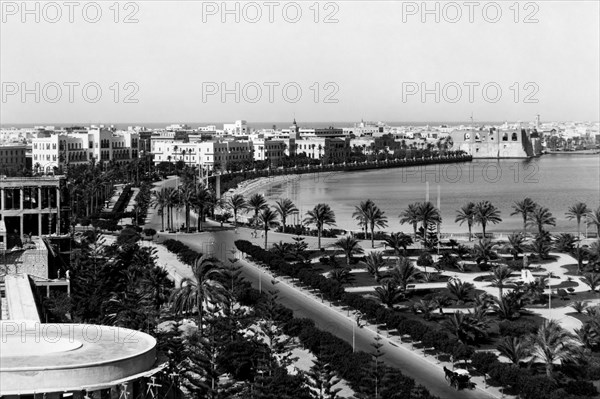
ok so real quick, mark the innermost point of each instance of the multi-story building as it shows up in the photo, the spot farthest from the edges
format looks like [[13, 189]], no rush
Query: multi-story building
[[205, 153], [99, 144], [327, 149], [269, 149], [238, 128], [13, 157], [29, 205]]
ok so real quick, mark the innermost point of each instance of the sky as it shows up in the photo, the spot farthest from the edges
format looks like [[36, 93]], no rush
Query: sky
[[180, 61]]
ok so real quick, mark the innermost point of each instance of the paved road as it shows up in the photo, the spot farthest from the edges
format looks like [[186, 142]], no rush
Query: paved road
[[221, 243]]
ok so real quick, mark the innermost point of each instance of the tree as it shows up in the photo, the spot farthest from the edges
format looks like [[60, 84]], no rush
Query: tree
[[515, 244], [461, 291], [411, 216], [524, 208], [350, 247], [320, 216], [565, 242], [499, 276], [541, 217], [552, 343], [360, 214], [576, 212], [389, 293], [257, 203], [321, 381], [375, 217], [594, 220], [341, 275], [206, 286], [267, 218], [237, 203], [592, 280], [540, 246], [483, 252], [465, 327], [397, 241], [466, 214], [160, 201], [374, 262], [516, 349], [285, 207], [403, 273], [485, 213], [428, 215]]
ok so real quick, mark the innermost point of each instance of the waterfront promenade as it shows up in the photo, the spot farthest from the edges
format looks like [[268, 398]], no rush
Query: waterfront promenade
[[426, 370]]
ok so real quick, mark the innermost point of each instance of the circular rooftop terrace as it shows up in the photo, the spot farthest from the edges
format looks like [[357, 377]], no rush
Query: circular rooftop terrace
[[37, 357]]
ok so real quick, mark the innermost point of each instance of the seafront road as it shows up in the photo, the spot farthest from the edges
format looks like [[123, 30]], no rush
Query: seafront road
[[425, 370]]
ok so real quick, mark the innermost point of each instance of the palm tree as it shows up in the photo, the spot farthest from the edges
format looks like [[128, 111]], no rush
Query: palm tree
[[553, 343], [159, 201], [320, 216], [428, 214], [516, 349], [540, 246], [411, 216], [461, 291], [194, 293], [237, 203], [499, 276], [465, 327], [203, 200], [594, 219], [576, 212], [397, 241], [257, 203], [403, 273], [285, 207], [375, 262], [592, 280], [524, 208], [374, 217], [541, 217], [389, 293], [350, 246], [267, 218], [466, 214], [486, 212], [426, 307], [360, 214], [483, 252], [508, 307], [341, 275], [516, 244], [565, 242], [186, 193]]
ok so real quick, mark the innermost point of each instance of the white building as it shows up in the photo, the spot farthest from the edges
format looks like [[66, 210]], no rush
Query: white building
[[102, 145], [269, 149], [205, 153], [238, 128]]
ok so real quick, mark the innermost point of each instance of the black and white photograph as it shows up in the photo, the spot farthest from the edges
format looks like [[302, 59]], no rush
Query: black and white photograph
[[310, 199]]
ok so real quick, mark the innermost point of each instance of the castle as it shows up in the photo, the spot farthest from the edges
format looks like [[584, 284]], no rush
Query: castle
[[496, 143]]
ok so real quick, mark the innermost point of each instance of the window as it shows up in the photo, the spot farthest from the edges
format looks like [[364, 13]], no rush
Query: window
[[514, 137]]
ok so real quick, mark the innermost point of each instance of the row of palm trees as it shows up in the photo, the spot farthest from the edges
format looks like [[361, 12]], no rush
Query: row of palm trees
[[320, 216], [188, 196]]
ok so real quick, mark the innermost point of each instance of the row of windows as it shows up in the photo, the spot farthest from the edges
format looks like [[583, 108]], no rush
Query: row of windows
[[10, 152]]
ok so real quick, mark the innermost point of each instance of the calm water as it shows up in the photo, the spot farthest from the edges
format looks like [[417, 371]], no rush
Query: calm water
[[555, 181]]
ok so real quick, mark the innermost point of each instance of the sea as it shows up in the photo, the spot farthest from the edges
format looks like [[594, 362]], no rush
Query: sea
[[554, 181], [253, 125]]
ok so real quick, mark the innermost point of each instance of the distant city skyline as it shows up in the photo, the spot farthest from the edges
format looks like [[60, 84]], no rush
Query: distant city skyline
[[385, 61]]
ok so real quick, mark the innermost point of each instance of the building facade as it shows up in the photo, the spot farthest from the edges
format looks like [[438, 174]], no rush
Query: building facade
[[101, 145], [29, 205], [496, 143], [13, 157]]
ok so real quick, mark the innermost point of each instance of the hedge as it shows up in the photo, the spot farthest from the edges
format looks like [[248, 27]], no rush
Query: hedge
[[529, 386], [330, 348]]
